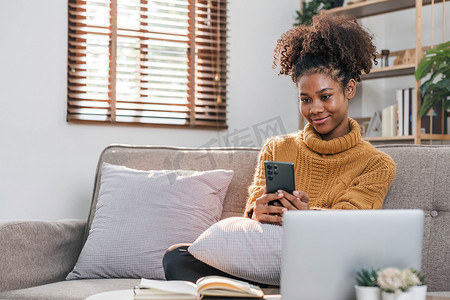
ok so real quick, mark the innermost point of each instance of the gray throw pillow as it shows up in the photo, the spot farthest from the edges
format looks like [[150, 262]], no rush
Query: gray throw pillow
[[242, 247], [140, 214]]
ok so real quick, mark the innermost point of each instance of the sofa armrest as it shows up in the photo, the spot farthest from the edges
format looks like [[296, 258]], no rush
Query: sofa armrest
[[38, 252]]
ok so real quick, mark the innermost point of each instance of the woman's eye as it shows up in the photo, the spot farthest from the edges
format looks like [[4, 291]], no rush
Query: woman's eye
[[304, 99], [326, 97]]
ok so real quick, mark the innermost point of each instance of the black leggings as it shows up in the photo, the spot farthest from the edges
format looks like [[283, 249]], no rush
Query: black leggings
[[179, 264]]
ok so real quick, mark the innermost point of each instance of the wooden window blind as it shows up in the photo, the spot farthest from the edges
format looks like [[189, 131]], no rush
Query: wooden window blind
[[148, 62]]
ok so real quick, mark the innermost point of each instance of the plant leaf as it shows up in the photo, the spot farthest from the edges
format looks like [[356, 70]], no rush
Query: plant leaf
[[438, 56], [433, 98], [424, 108], [424, 87], [443, 45], [446, 104], [444, 84], [432, 51], [423, 68]]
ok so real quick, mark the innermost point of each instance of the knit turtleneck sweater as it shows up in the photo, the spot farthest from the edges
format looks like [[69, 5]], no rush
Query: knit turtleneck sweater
[[343, 173]]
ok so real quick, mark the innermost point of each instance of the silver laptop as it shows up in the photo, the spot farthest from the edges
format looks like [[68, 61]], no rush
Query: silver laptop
[[323, 250]]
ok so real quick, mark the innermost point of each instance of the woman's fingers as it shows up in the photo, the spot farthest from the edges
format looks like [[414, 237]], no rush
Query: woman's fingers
[[271, 219], [265, 213], [266, 198], [287, 203], [298, 200], [272, 209], [303, 196], [263, 208], [272, 213]]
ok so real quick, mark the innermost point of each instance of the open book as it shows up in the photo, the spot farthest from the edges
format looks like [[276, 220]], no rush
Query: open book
[[208, 287]]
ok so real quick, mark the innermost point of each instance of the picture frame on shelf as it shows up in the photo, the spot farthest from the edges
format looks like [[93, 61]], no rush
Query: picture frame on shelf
[[374, 128], [363, 124]]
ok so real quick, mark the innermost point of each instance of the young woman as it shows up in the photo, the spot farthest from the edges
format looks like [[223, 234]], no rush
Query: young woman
[[334, 167]]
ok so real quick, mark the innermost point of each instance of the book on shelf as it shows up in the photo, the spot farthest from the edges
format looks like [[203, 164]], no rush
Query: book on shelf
[[407, 110], [434, 122], [208, 287], [406, 100], [400, 117], [389, 121], [412, 110]]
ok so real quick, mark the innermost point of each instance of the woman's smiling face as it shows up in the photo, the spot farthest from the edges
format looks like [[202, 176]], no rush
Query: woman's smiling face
[[324, 105]]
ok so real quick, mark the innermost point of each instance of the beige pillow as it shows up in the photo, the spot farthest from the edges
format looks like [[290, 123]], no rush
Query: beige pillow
[[242, 247], [140, 214]]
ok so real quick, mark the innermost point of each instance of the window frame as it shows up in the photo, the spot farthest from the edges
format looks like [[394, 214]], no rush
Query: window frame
[[206, 69]]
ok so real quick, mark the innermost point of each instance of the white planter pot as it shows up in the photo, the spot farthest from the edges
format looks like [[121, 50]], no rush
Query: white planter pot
[[400, 296], [419, 292], [367, 293]]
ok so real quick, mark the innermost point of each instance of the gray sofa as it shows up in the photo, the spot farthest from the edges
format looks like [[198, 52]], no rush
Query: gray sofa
[[36, 256]]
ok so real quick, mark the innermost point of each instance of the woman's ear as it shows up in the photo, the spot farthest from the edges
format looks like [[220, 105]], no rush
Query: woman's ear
[[350, 89]]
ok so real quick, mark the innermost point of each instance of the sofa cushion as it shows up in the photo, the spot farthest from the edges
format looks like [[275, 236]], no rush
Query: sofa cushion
[[140, 214], [69, 290], [38, 252], [241, 160], [242, 247], [422, 181]]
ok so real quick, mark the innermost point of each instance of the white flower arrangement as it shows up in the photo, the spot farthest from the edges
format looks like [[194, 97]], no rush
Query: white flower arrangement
[[394, 280]]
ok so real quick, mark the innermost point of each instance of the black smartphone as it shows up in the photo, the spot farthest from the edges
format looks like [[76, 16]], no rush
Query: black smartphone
[[279, 176]]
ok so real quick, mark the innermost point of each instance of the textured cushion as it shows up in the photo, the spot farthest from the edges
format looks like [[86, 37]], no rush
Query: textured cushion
[[70, 290], [242, 247], [421, 181], [241, 160], [139, 214], [38, 252]]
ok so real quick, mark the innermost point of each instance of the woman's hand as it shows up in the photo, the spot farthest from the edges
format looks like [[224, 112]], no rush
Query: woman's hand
[[298, 200], [273, 214]]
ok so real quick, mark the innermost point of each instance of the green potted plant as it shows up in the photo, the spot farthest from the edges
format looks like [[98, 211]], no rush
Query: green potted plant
[[435, 63], [366, 287], [311, 8]]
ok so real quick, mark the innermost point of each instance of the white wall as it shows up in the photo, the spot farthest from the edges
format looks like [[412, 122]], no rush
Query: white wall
[[47, 166]]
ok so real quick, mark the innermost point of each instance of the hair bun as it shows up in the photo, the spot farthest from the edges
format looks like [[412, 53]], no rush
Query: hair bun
[[334, 44]]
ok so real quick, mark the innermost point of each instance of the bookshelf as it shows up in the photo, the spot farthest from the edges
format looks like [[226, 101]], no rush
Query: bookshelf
[[377, 7], [391, 71], [390, 138], [380, 7]]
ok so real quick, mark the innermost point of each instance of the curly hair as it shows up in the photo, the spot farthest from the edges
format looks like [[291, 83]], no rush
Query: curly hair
[[334, 44]]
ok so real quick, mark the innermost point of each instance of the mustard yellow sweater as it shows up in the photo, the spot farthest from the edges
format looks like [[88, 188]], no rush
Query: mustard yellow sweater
[[343, 173]]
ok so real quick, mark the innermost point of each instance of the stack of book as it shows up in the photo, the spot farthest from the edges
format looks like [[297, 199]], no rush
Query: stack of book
[[399, 119], [406, 100]]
